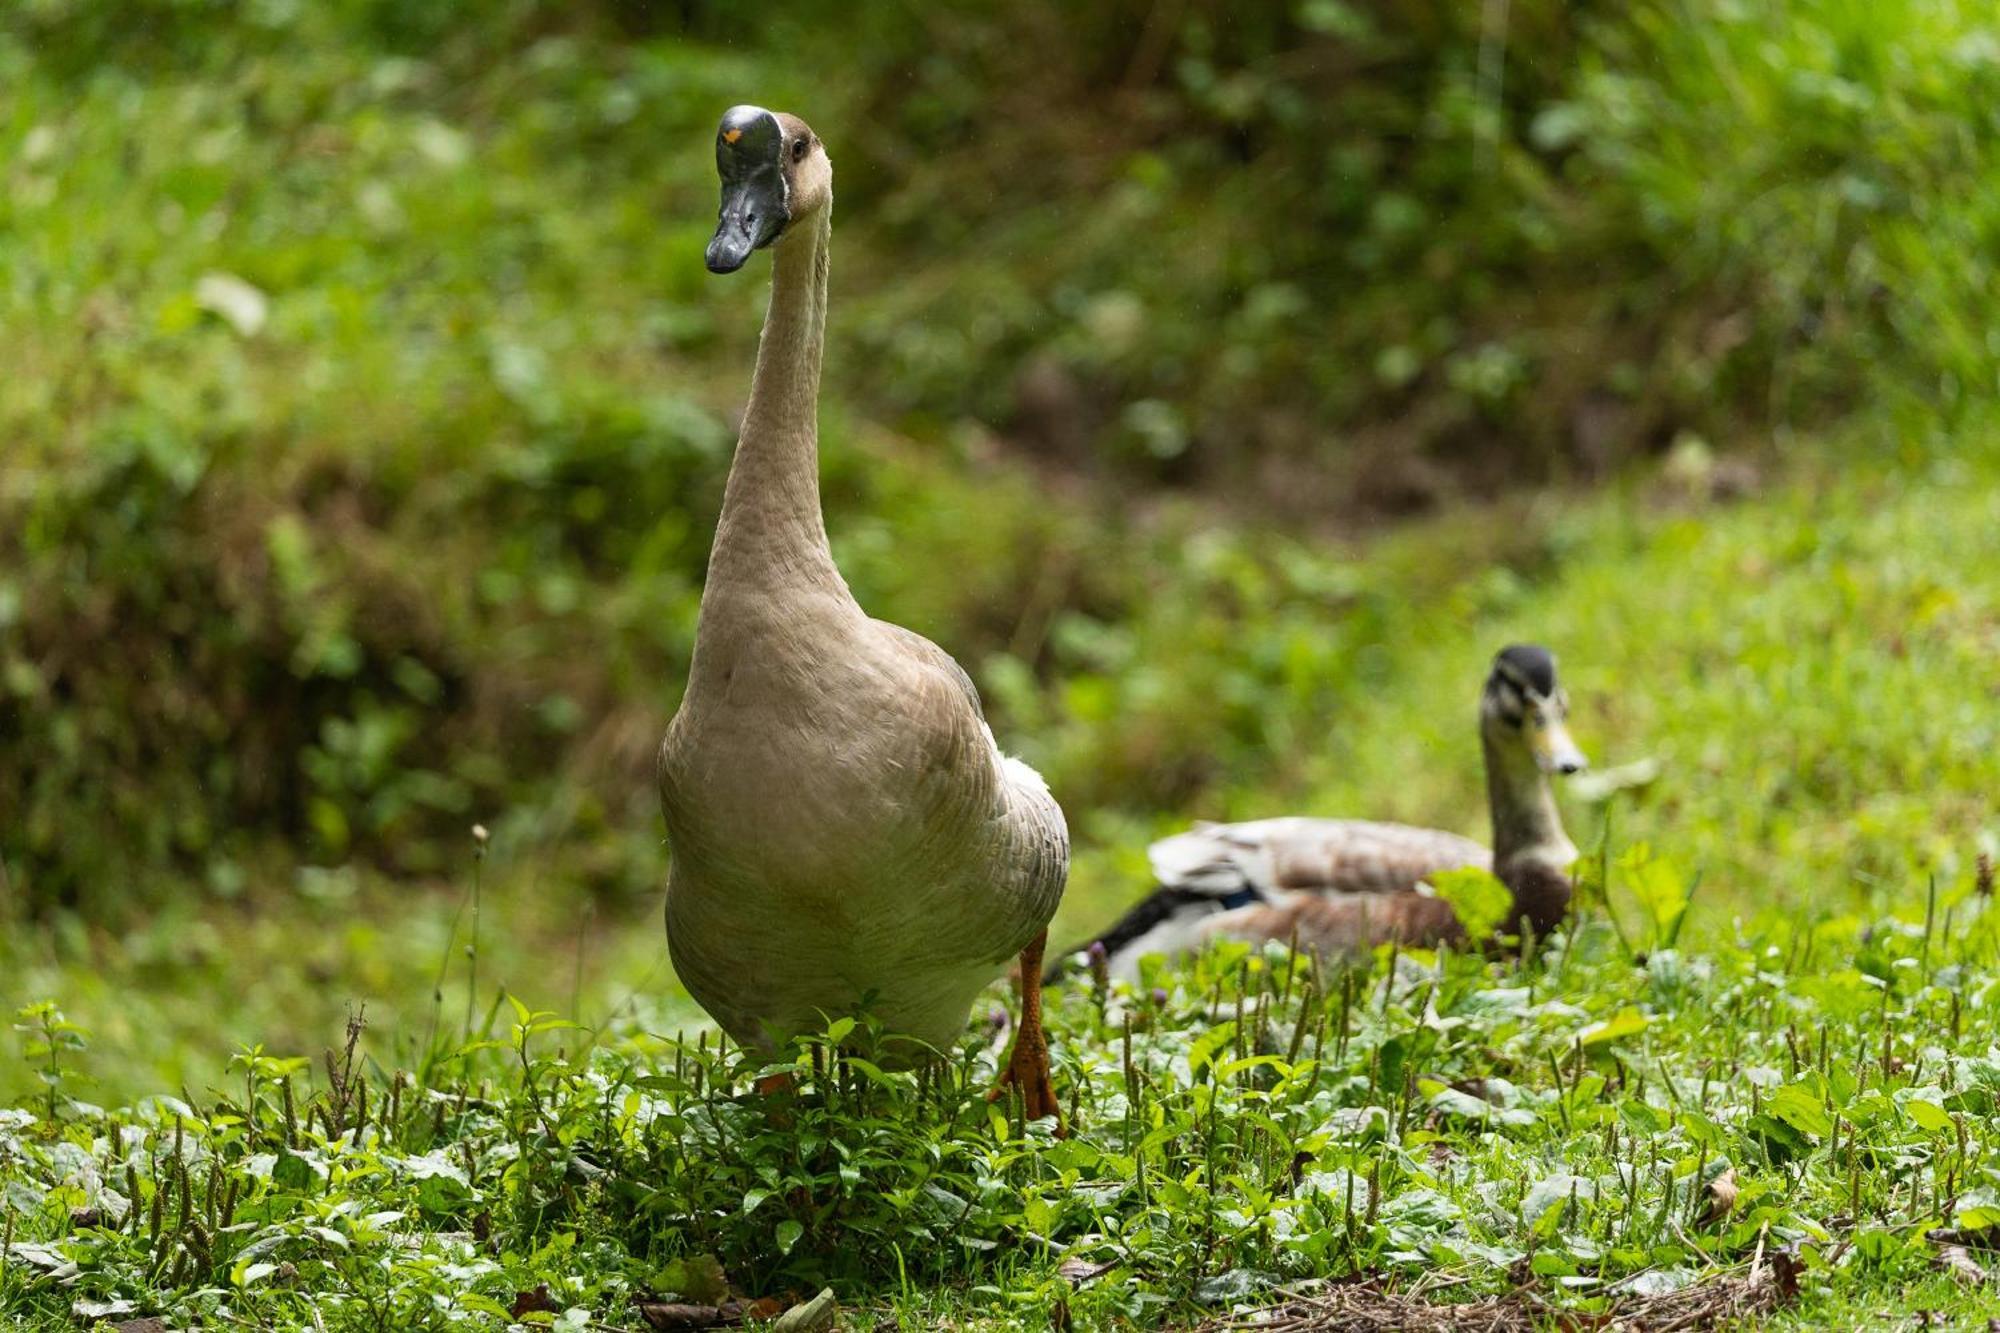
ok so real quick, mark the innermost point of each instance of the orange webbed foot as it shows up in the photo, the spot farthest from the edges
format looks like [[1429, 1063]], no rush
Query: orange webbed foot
[[1027, 1070]]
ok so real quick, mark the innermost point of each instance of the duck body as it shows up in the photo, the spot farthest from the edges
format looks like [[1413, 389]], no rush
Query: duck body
[[1333, 885], [1336, 886]]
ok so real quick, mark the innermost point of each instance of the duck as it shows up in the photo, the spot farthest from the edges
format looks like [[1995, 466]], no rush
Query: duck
[[845, 832], [1337, 886]]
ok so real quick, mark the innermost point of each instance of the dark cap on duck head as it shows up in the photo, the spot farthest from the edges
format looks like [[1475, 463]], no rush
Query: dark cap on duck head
[[1529, 665], [756, 196], [1523, 696]]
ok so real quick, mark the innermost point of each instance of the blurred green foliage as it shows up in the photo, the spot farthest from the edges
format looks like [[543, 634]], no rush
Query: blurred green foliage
[[366, 406]]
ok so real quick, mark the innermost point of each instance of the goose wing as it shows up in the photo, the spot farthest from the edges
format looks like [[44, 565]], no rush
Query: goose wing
[[1033, 858], [923, 653], [1025, 860]]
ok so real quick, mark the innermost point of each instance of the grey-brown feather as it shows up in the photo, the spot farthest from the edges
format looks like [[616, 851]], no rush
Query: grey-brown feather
[[1333, 924], [1320, 855], [1341, 884], [844, 829]]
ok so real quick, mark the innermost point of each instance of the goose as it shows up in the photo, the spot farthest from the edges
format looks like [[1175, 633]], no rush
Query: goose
[[845, 832], [1337, 885]]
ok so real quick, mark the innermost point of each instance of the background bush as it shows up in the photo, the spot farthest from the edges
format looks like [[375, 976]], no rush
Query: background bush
[[365, 405]]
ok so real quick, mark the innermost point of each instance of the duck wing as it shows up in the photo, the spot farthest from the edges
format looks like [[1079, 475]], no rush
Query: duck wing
[[1269, 857], [1335, 883], [1333, 924]]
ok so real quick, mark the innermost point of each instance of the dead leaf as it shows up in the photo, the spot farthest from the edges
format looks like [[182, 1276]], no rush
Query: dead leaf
[[1721, 1197], [672, 1315], [1785, 1270], [150, 1324], [697, 1279], [1600, 785], [528, 1302], [1080, 1271], [808, 1316], [1958, 1261], [234, 301]]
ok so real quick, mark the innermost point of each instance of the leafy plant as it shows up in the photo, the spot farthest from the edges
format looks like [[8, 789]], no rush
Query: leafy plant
[[1478, 898], [1564, 1122], [48, 1038]]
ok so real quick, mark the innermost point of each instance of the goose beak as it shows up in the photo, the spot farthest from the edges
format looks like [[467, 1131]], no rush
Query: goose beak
[[749, 157], [1554, 751]]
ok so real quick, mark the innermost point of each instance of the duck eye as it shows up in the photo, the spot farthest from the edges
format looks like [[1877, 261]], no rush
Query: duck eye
[[799, 147]]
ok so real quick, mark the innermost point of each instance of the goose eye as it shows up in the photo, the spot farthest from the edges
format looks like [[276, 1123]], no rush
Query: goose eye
[[799, 147]]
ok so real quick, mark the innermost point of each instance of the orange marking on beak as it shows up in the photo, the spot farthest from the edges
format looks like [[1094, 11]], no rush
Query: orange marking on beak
[[731, 136]]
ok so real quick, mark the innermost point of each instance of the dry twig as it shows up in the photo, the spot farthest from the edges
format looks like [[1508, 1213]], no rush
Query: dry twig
[[1370, 1307]]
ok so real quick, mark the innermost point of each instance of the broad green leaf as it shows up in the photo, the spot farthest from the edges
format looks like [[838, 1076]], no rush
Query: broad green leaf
[[1208, 1043], [293, 1172], [1700, 1128], [873, 1072], [1235, 1067], [247, 1275], [1781, 1140], [1039, 1214], [1542, 1208], [1477, 897], [699, 1278], [1977, 1210], [1799, 1106], [997, 1118], [1641, 1118], [1930, 1117], [1658, 886], [1625, 1023]]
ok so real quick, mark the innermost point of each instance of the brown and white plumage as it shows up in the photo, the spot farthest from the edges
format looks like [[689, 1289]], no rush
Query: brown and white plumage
[[1336, 885], [1297, 852], [845, 831]]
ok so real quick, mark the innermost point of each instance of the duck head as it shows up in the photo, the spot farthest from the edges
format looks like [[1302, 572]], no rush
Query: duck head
[[1524, 711], [775, 173]]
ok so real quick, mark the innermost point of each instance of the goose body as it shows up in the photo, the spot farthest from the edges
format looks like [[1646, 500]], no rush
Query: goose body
[[1337, 885], [844, 829]]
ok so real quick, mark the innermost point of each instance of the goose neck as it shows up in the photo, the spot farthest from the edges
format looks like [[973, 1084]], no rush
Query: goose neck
[[771, 533]]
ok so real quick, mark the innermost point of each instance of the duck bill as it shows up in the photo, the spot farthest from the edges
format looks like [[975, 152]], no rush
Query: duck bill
[[1554, 751]]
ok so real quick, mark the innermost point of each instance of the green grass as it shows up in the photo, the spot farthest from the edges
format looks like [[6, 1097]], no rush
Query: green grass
[[1796, 662], [1239, 1125], [1797, 665]]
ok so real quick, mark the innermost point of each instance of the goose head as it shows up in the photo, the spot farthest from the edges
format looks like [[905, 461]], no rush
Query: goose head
[[1524, 714], [775, 173]]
